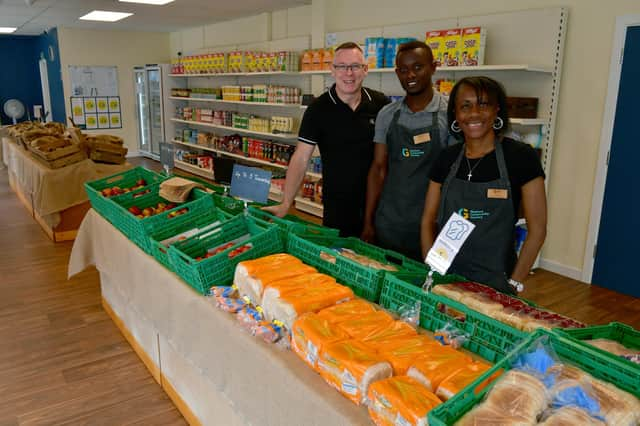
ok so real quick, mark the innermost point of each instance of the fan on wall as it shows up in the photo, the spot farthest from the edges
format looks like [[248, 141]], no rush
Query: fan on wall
[[14, 109]]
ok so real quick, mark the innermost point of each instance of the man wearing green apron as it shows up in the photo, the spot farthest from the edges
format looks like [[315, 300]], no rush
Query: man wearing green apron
[[409, 136]]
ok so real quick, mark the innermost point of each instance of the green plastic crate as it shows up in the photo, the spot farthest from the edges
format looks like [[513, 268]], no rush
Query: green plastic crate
[[126, 179], [293, 225], [218, 189], [137, 229], [178, 225], [488, 338], [588, 359], [621, 333], [219, 269], [365, 281]]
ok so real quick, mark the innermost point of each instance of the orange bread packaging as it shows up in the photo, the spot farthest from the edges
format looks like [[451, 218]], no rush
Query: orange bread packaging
[[251, 276], [403, 351], [460, 379], [310, 334], [346, 311], [379, 337], [350, 366], [400, 400], [288, 305], [433, 368], [361, 327]]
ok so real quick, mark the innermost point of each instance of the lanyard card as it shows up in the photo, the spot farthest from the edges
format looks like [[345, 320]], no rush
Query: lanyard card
[[449, 242]]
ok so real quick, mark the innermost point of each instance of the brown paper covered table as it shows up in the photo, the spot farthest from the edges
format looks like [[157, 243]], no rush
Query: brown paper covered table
[[215, 372]]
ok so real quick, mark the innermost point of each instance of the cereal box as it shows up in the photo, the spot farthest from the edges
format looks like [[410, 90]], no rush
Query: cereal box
[[435, 40], [473, 43], [452, 42]]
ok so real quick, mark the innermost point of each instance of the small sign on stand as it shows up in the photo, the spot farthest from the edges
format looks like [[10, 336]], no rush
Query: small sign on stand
[[250, 183]]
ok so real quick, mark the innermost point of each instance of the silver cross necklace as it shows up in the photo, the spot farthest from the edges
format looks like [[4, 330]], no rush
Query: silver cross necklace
[[471, 169]]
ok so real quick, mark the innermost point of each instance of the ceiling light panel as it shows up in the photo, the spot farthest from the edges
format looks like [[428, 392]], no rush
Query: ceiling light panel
[[7, 30], [105, 16], [153, 2]]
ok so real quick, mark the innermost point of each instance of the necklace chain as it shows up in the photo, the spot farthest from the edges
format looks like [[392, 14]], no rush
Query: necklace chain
[[471, 169]]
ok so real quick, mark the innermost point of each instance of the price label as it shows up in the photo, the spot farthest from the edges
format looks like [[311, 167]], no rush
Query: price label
[[250, 183]]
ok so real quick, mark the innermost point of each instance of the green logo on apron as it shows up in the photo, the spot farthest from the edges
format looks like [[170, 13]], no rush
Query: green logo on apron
[[412, 153]]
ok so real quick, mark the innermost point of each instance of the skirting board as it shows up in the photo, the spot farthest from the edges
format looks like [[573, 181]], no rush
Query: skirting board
[[566, 271]]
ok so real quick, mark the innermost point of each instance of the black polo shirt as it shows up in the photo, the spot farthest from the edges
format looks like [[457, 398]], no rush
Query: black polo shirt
[[345, 140]]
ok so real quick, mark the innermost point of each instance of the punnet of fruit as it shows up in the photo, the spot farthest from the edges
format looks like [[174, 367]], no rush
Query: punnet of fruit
[[116, 190]]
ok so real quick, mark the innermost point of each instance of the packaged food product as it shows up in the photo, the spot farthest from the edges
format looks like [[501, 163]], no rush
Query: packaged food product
[[345, 311], [400, 400], [436, 365], [359, 328], [310, 334], [350, 366], [460, 379]]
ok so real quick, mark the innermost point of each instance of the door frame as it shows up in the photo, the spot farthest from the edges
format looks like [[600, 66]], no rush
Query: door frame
[[606, 135]]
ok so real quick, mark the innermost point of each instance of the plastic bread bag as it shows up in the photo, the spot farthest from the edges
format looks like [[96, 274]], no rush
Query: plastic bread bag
[[400, 400], [460, 379], [229, 304], [517, 397], [449, 335], [348, 310], [289, 305], [617, 407], [379, 336], [267, 331], [403, 351], [575, 393], [252, 278], [249, 317], [361, 327], [222, 291], [410, 313], [540, 360], [274, 289], [350, 366], [436, 365], [310, 334], [569, 416]]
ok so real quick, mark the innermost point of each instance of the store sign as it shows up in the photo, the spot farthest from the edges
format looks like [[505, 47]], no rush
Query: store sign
[[250, 183], [449, 242]]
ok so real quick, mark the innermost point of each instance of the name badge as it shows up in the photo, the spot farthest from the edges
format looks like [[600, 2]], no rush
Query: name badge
[[421, 138], [502, 194]]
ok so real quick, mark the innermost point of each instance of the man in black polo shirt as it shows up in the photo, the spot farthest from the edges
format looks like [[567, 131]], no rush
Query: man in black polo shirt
[[341, 122]]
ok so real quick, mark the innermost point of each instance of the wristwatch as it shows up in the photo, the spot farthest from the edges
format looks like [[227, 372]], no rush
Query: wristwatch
[[517, 285]]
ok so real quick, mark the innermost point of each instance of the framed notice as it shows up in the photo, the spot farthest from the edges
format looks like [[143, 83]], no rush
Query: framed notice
[[93, 80], [96, 112]]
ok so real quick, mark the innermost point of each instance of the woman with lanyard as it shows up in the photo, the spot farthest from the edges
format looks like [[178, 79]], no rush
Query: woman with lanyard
[[487, 179]]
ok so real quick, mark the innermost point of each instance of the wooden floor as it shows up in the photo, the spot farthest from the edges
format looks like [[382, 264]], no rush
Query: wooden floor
[[62, 360]]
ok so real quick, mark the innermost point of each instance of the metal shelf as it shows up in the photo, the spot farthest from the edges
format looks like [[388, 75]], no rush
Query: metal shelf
[[222, 101], [519, 67], [283, 136], [309, 206], [528, 121], [193, 169], [237, 74]]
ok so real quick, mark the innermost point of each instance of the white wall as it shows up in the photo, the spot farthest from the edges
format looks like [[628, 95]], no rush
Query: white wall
[[121, 49], [581, 99]]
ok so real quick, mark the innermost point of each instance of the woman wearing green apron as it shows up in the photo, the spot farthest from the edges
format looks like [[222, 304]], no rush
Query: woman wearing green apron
[[488, 179]]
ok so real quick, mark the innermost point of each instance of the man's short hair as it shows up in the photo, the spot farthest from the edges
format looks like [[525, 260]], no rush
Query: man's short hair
[[411, 45], [349, 45]]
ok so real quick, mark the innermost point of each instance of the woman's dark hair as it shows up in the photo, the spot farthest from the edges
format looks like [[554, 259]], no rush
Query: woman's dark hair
[[482, 85]]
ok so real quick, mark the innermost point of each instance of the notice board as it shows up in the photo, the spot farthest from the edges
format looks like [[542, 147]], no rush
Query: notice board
[[95, 103]]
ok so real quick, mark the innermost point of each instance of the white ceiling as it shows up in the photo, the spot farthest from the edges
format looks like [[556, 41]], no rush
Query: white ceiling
[[32, 17]]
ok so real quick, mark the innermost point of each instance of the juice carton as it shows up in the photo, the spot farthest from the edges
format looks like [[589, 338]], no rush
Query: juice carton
[[307, 60], [316, 59], [327, 59]]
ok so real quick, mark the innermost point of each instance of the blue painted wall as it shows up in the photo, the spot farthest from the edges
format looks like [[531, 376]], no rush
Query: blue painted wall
[[19, 73], [47, 47]]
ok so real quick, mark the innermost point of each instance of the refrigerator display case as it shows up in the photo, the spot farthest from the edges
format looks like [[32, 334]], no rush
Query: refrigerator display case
[[151, 81]]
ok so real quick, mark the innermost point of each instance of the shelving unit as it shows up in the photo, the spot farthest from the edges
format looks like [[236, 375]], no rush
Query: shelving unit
[[222, 101], [476, 69], [193, 169], [281, 136], [237, 74], [309, 206], [240, 157]]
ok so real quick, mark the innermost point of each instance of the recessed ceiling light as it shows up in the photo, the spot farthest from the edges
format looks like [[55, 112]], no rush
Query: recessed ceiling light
[[102, 15], [154, 2], [7, 30]]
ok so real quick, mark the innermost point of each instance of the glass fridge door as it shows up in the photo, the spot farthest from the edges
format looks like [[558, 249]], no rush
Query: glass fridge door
[[142, 111], [156, 124]]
